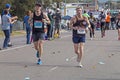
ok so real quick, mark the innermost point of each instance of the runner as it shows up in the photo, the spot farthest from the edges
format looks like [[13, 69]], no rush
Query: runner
[[39, 18], [78, 24], [86, 14], [92, 23], [107, 20], [113, 22], [102, 24], [118, 25]]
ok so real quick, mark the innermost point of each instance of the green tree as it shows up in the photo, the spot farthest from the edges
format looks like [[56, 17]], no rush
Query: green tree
[[21, 6]]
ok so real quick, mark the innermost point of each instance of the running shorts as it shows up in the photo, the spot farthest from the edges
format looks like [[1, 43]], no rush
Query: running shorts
[[78, 39], [38, 36]]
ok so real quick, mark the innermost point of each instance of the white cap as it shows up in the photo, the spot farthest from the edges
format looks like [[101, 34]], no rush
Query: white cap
[[58, 9]]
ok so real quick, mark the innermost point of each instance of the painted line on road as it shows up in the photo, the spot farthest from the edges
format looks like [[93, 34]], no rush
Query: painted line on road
[[24, 46], [14, 48], [52, 69], [72, 58], [66, 36]]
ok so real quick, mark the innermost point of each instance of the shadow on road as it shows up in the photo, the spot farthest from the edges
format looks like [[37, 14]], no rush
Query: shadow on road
[[28, 64]]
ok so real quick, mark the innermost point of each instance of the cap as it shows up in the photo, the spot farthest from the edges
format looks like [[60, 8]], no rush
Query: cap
[[7, 5]]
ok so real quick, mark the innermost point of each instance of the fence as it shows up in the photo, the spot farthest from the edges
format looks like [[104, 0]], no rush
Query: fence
[[17, 26]]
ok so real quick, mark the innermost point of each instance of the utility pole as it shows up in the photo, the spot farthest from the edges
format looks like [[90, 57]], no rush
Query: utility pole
[[96, 4], [109, 4], [65, 8]]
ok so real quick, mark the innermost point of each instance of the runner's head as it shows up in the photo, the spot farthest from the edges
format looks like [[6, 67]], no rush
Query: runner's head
[[79, 10], [37, 7], [91, 14]]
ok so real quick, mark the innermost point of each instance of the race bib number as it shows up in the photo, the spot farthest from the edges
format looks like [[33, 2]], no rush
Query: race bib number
[[81, 31], [84, 23], [103, 20], [91, 20], [38, 24]]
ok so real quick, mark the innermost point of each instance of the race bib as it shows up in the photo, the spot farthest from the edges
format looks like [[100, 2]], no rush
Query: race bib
[[103, 20], [38, 24], [81, 31], [84, 23], [91, 20]]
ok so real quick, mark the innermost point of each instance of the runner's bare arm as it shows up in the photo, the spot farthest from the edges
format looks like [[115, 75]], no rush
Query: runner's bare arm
[[89, 26], [72, 21], [87, 22], [47, 20]]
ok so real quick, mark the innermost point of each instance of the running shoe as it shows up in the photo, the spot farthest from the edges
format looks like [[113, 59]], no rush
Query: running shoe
[[91, 38], [10, 45], [80, 65], [37, 54], [39, 62]]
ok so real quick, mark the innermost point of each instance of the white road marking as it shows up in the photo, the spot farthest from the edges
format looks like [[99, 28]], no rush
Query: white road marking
[[74, 57], [52, 69], [24, 46], [66, 36], [14, 48]]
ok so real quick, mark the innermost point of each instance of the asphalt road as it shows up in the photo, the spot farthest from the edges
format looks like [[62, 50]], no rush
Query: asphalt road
[[100, 61]]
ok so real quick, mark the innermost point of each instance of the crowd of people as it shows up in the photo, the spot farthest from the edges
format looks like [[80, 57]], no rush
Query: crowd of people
[[40, 26], [108, 21]]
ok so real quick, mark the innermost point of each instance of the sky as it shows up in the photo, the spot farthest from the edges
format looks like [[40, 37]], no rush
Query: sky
[[106, 0]]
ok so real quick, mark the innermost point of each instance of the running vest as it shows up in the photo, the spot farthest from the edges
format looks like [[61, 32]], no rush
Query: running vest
[[102, 17], [79, 23], [91, 20], [38, 25], [118, 23]]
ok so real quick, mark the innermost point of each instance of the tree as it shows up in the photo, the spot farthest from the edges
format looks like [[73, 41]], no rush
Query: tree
[[21, 6]]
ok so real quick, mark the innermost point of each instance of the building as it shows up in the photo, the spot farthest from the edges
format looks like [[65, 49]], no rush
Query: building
[[69, 8]]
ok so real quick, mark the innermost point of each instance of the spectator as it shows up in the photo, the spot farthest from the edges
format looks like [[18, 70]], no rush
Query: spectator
[[27, 26], [57, 17], [6, 21], [8, 7], [107, 20], [50, 26]]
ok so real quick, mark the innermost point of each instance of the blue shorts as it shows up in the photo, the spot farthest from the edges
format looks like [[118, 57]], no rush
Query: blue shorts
[[78, 39]]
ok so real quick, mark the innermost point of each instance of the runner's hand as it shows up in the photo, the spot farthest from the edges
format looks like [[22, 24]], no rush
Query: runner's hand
[[75, 28]]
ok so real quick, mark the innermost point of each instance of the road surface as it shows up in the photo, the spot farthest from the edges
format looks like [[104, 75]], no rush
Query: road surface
[[100, 61]]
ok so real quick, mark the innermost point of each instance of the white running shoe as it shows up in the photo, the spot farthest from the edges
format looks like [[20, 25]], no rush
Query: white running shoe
[[91, 38], [80, 65]]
